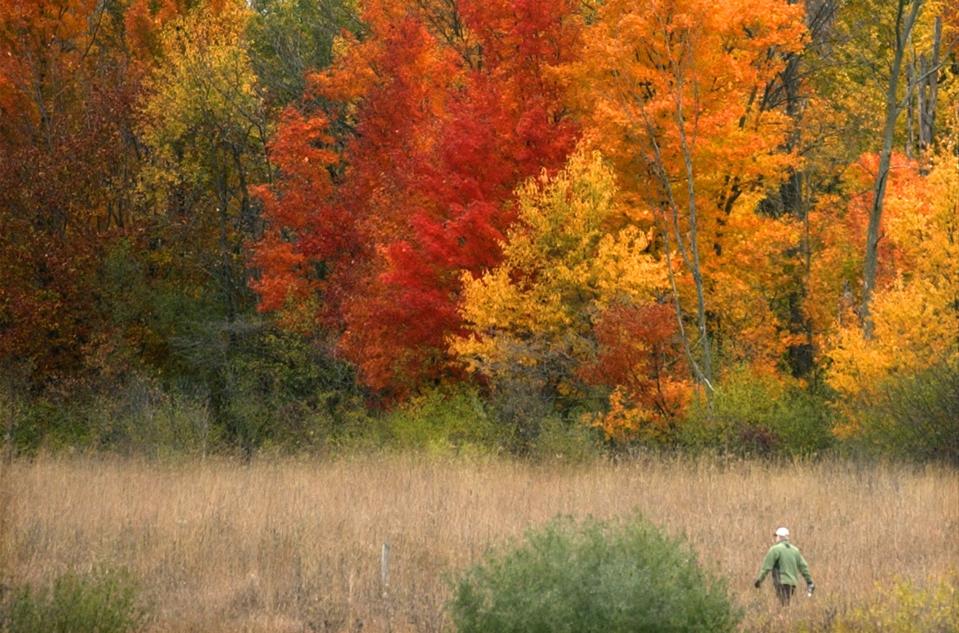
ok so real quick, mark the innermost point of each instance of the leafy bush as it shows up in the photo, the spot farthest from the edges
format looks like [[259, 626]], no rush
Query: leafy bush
[[104, 602], [443, 420], [906, 608], [753, 414], [913, 416], [592, 576], [51, 422], [141, 418], [279, 390], [569, 441]]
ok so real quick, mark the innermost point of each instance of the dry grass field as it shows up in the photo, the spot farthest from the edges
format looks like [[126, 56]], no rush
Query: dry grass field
[[292, 545]]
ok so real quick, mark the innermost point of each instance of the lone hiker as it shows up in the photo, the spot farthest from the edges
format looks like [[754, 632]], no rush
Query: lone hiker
[[786, 563]]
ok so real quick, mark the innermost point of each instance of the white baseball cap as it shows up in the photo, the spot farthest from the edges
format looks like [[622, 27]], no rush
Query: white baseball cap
[[783, 532]]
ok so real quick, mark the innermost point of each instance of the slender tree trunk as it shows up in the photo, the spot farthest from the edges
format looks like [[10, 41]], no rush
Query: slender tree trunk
[[660, 168], [929, 89], [912, 75], [226, 254], [903, 31], [694, 239]]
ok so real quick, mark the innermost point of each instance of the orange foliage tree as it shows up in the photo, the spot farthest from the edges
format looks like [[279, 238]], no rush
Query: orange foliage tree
[[673, 93]]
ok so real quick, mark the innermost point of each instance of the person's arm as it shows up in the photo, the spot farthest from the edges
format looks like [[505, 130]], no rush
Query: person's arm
[[804, 570], [768, 563]]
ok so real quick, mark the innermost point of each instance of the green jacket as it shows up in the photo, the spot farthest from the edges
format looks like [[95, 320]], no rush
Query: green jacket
[[786, 563]]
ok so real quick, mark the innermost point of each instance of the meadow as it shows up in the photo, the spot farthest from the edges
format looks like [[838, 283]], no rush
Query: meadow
[[290, 545]]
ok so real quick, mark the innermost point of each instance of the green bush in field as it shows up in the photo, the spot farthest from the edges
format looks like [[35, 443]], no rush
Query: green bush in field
[[580, 577], [105, 602], [906, 608], [753, 414], [443, 420]]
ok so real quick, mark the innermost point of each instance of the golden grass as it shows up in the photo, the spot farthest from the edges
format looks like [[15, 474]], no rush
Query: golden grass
[[294, 545]]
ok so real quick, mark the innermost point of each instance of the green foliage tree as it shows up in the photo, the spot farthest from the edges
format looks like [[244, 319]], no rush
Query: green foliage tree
[[290, 38]]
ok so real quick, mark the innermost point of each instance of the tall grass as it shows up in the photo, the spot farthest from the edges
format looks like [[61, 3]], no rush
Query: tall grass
[[292, 545]]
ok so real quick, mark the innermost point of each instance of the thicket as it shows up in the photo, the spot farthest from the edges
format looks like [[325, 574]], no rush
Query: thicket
[[279, 394], [759, 415], [914, 416]]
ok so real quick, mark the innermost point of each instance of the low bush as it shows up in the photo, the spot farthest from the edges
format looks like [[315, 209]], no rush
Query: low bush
[[103, 602], [568, 441], [140, 418], [914, 416], [443, 420], [906, 608], [591, 576], [758, 415]]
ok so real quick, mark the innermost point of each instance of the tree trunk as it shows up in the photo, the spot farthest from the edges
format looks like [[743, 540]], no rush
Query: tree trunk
[[928, 90], [893, 107], [694, 245]]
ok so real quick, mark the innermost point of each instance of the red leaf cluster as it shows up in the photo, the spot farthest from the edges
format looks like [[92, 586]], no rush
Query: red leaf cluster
[[451, 108], [638, 350]]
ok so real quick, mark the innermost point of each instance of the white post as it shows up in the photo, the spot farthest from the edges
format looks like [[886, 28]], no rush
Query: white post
[[385, 567], [385, 585]]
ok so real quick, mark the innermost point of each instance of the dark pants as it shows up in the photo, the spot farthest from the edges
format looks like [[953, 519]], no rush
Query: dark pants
[[784, 593]]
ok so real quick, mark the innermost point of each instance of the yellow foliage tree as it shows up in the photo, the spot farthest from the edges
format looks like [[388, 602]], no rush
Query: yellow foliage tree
[[915, 309], [204, 125], [574, 255]]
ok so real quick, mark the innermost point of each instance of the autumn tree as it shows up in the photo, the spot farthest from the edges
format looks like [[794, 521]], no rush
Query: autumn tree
[[878, 83], [673, 91], [67, 170], [576, 272], [450, 109], [915, 311], [204, 127]]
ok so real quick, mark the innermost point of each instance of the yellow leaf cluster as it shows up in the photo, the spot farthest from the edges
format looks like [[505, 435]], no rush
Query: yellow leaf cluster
[[201, 97], [572, 253]]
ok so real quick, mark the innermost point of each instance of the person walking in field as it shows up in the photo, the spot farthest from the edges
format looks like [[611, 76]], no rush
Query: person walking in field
[[786, 564]]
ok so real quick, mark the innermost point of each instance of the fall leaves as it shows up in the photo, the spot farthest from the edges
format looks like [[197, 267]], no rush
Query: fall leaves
[[618, 203], [452, 109]]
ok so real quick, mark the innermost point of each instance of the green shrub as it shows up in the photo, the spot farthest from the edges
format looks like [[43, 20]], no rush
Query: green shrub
[[51, 422], [443, 420], [753, 414], [906, 608], [104, 602], [141, 418], [569, 441], [915, 416], [592, 576]]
